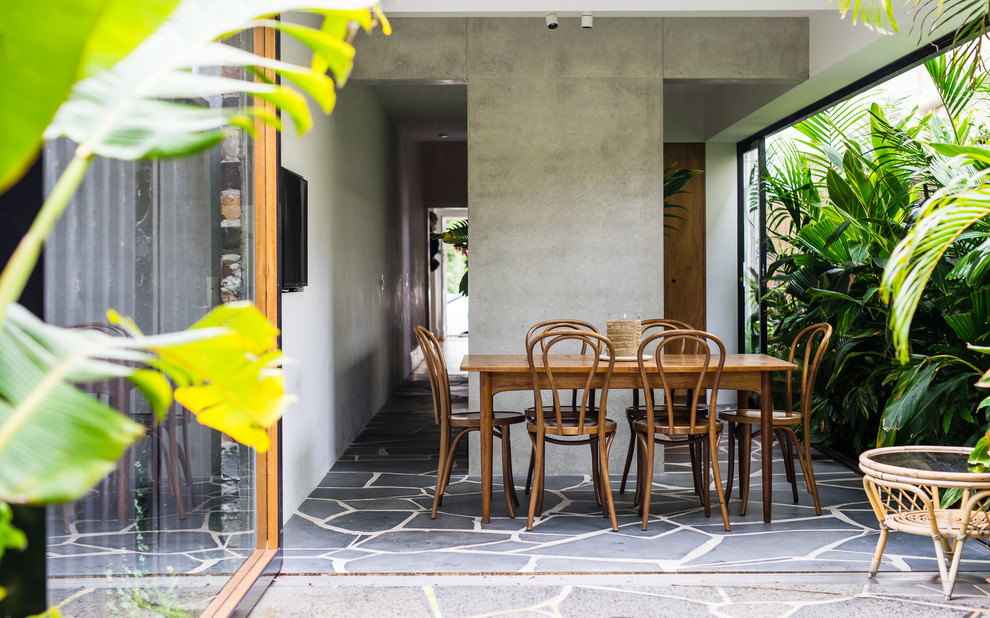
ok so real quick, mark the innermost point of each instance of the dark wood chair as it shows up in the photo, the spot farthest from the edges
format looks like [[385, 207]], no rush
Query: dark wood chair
[[589, 426], [570, 410], [813, 341], [687, 423], [116, 393], [464, 421]]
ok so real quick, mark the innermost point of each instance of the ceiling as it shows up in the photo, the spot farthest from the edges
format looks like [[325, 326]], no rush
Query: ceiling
[[613, 8], [425, 112]]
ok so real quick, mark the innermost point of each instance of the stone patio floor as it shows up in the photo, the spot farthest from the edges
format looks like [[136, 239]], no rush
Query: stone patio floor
[[363, 544]]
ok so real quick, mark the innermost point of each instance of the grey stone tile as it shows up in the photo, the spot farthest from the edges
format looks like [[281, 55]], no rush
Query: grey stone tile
[[321, 508], [302, 533], [405, 542], [439, 562]]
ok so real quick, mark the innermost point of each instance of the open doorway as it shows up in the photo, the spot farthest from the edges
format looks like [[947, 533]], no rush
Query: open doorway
[[448, 283], [449, 305]]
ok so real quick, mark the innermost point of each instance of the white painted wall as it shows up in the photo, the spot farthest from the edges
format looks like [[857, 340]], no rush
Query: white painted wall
[[721, 213], [340, 330]]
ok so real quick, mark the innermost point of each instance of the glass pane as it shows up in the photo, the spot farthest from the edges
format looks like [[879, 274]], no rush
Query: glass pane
[[162, 242], [751, 251]]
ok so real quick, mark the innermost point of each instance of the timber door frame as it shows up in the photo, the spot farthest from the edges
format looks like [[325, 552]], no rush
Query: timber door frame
[[247, 585]]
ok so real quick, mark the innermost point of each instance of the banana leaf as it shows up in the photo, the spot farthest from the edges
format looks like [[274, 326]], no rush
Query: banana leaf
[[56, 440]]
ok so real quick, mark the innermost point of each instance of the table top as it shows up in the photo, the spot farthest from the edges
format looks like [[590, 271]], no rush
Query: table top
[[734, 363], [938, 465]]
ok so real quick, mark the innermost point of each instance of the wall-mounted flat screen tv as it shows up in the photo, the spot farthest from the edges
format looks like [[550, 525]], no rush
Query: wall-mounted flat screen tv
[[293, 248]]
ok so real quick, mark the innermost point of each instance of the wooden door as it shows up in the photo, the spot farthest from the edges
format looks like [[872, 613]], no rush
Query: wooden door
[[684, 250]]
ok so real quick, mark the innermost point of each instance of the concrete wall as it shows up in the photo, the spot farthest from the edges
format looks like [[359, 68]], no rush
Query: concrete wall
[[564, 197], [344, 331]]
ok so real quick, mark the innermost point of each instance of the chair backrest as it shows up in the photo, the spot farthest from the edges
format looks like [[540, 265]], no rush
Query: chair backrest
[[814, 341], [563, 325], [117, 390], [560, 325], [539, 353], [663, 324], [690, 412], [437, 368]]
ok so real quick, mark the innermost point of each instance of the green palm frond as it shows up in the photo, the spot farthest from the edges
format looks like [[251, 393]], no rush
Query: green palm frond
[[456, 235], [947, 215], [79, 39], [140, 107], [56, 440], [957, 82], [875, 14]]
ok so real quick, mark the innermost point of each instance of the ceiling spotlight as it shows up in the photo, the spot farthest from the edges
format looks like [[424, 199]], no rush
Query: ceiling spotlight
[[442, 135], [552, 20], [586, 19]]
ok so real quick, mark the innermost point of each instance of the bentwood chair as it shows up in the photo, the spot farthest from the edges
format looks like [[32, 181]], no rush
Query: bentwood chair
[[638, 410], [116, 393], [813, 340], [464, 421], [588, 426], [687, 423], [571, 409]]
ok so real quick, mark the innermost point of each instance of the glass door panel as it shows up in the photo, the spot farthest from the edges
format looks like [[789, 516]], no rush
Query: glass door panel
[[163, 242], [753, 261]]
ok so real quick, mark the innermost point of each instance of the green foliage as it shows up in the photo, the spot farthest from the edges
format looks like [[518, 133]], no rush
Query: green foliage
[[225, 369], [10, 537], [674, 180], [843, 195], [457, 236], [37, 69], [121, 93]]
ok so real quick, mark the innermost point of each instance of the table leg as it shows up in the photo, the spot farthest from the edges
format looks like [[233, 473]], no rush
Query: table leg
[[766, 441], [486, 446]]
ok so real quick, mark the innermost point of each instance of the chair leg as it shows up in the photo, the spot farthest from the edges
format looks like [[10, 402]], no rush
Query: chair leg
[[878, 554], [441, 469], [745, 440], [508, 484], [123, 486], [718, 482], [646, 445], [948, 583], [172, 459], [730, 464], [788, 454], [804, 458], [595, 474], [706, 496], [643, 484], [541, 471], [629, 456], [185, 460], [529, 474], [606, 483], [694, 449], [538, 478]]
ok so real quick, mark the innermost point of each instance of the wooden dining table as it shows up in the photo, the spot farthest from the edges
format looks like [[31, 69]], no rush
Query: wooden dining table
[[499, 373]]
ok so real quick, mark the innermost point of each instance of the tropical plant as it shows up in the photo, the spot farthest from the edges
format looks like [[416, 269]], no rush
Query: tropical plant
[[842, 193], [957, 214], [113, 76], [674, 181], [457, 236]]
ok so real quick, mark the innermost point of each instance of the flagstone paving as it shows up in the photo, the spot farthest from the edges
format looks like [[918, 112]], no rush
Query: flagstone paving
[[363, 542]]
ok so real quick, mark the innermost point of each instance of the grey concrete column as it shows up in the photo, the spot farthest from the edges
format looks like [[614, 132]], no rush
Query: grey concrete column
[[565, 186]]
